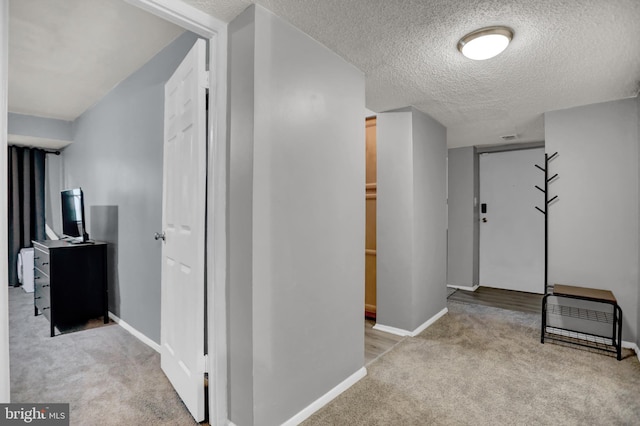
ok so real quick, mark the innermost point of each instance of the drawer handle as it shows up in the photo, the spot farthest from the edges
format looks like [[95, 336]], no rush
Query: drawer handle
[[36, 258], [39, 297], [46, 285], [36, 278], [44, 309], [45, 263]]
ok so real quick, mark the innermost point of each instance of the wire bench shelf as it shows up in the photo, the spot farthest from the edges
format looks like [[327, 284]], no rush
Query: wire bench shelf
[[580, 313], [609, 318]]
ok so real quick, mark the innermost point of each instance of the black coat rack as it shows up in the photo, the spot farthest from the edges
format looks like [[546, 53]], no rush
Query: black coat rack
[[547, 201]]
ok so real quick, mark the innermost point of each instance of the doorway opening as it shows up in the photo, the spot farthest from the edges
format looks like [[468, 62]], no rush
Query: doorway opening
[[215, 31]]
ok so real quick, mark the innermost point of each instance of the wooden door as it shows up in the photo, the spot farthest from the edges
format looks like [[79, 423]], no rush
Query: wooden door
[[182, 355], [370, 233]]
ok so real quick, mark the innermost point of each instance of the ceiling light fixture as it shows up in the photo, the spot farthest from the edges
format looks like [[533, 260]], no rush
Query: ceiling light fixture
[[485, 43]]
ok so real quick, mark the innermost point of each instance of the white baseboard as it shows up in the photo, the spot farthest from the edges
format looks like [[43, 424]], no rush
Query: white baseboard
[[392, 330], [326, 398], [420, 329], [429, 322], [144, 339], [462, 287], [632, 346]]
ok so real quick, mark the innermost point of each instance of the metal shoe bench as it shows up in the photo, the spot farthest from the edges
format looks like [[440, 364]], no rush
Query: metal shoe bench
[[584, 317]]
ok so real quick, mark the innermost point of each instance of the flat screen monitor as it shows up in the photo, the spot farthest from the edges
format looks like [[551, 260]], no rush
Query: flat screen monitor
[[73, 219]]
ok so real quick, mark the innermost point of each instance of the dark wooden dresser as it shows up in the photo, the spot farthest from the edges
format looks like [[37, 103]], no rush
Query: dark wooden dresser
[[70, 282]]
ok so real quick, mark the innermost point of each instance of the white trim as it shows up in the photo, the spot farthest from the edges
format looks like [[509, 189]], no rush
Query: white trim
[[326, 398], [5, 383], [144, 339], [217, 230], [429, 322], [414, 333], [183, 15], [392, 330], [199, 22], [462, 287], [632, 346]]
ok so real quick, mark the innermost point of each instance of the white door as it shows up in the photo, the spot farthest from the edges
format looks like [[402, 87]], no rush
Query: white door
[[183, 221], [511, 229]]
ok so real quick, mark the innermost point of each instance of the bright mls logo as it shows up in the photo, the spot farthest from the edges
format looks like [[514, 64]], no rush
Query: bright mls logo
[[34, 414]]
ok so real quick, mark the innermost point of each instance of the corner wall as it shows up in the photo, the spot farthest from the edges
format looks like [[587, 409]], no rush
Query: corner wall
[[462, 258], [116, 158], [296, 218], [394, 217], [593, 228], [430, 217], [411, 219]]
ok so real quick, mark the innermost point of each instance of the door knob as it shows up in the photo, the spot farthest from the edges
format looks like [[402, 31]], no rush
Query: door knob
[[159, 236]]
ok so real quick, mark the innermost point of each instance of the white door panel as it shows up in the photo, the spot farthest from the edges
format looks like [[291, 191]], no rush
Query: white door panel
[[512, 230], [183, 256]]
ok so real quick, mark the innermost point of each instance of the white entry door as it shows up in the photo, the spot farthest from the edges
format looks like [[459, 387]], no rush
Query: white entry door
[[183, 221], [511, 229]]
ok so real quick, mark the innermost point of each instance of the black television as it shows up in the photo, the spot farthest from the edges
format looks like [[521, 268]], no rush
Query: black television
[[73, 219]]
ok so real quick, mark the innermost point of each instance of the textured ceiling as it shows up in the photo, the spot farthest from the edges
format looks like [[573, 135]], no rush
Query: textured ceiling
[[65, 55], [564, 54]]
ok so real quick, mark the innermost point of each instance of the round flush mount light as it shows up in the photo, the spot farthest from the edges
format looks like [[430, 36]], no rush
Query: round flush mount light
[[485, 43]]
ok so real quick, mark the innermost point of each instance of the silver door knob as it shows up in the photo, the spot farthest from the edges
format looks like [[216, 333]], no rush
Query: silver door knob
[[159, 236]]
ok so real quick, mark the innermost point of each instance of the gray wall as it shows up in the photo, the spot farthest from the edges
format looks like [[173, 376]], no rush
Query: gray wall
[[116, 158], [29, 125], [593, 228], [241, 33], [462, 247], [638, 308], [411, 219], [394, 217], [430, 217], [296, 219]]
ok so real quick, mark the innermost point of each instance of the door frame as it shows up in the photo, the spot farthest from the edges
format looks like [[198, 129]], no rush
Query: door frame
[[215, 31], [4, 238]]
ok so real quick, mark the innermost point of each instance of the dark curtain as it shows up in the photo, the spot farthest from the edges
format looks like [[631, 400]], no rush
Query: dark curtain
[[26, 202]]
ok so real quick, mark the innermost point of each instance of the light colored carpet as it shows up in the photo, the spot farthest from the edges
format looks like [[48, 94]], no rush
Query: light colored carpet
[[475, 366], [480, 365], [106, 375]]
